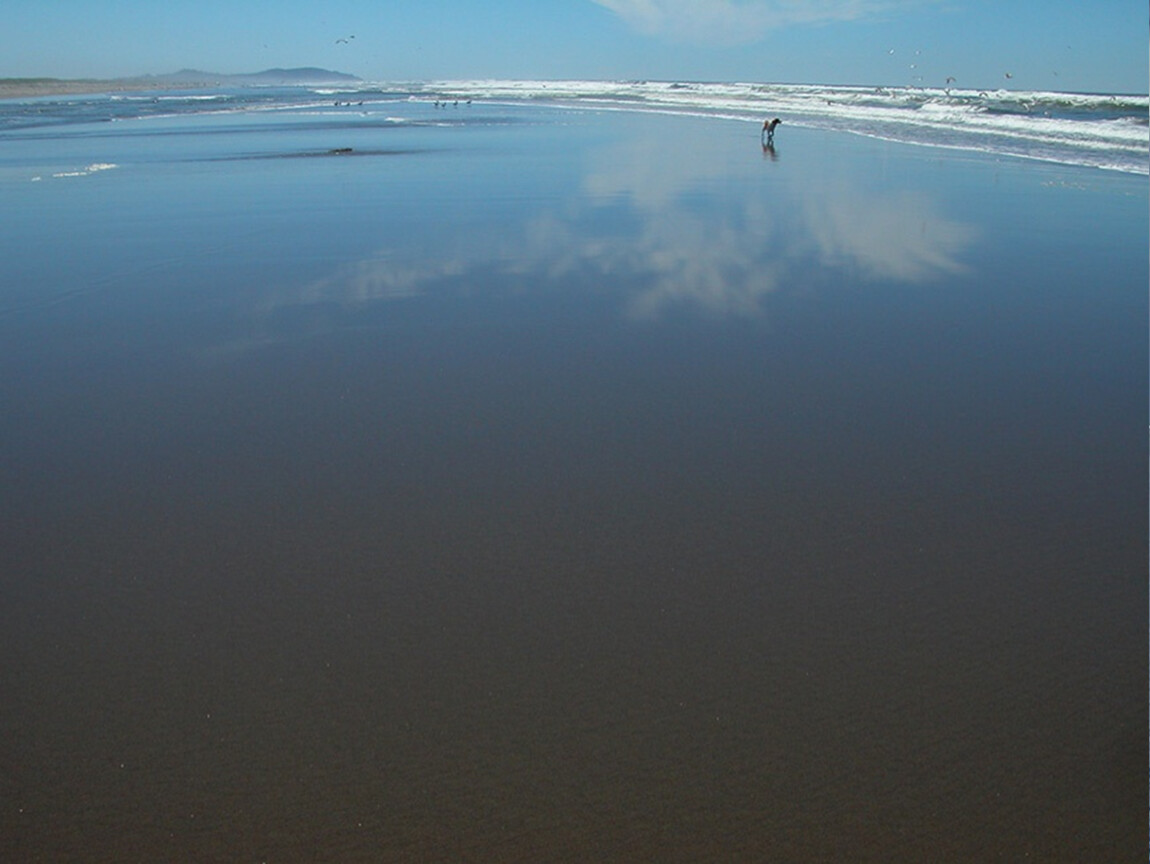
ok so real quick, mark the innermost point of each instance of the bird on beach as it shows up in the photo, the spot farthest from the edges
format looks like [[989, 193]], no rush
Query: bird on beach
[[768, 134]]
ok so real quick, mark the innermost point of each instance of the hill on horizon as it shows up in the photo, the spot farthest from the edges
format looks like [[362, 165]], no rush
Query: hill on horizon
[[299, 75]]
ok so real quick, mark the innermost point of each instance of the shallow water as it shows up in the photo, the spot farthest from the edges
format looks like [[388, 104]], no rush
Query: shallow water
[[539, 485]]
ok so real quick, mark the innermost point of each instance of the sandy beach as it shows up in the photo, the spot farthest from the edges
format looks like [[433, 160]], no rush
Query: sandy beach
[[24, 88], [502, 483]]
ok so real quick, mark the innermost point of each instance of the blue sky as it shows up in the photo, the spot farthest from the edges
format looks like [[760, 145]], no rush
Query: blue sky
[[1101, 45]]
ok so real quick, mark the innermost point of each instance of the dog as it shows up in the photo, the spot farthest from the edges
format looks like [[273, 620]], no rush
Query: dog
[[769, 130]]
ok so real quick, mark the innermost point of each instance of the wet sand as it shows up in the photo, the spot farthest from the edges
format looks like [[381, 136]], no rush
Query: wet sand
[[570, 488]]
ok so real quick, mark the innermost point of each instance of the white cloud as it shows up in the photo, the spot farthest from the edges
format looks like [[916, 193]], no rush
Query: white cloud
[[735, 21]]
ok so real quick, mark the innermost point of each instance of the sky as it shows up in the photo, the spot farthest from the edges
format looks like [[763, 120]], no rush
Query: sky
[[1070, 45]]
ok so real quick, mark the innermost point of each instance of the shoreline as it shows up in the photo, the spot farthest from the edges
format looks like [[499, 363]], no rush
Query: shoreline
[[1097, 141], [23, 88], [186, 79]]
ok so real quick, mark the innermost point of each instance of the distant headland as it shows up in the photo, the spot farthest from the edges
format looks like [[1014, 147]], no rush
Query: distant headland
[[15, 88]]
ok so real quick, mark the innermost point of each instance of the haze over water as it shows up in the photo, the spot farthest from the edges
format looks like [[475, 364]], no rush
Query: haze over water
[[540, 484]]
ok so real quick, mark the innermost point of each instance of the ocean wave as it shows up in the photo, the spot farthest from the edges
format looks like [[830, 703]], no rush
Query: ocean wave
[[1099, 130], [1108, 131], [94, 168]]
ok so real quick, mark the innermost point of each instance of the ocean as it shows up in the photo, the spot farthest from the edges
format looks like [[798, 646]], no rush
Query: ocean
[[1097, 130], [520, 472]]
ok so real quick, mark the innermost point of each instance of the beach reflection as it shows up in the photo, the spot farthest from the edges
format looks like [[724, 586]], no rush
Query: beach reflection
[[899, 236], [660, 224], [590, 484]]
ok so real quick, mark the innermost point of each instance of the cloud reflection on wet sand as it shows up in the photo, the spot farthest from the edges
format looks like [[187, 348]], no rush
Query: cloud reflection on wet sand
[[659, 229]]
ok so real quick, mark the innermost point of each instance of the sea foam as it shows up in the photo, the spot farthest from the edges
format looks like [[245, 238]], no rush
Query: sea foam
[[90, 169], [1099, 130], [1108, 131]]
